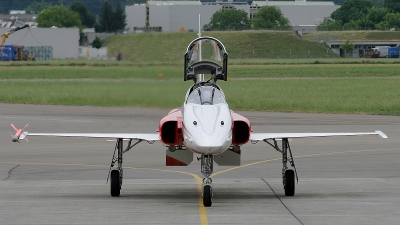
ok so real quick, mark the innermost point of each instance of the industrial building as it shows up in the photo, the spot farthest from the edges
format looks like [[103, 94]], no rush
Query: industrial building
[[15, 20], [173, 16], [64, 41]]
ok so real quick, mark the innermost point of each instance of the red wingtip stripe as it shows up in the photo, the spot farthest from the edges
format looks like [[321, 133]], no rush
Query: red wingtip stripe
[[12, 125]]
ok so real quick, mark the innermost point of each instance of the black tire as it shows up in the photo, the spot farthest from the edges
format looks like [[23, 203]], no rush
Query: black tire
[[207, 195], [115, 187], [290, 183]]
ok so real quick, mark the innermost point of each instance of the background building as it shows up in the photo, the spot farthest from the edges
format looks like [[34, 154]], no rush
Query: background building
[[302, 15], [172, 16], [10, 20], [65, 41]]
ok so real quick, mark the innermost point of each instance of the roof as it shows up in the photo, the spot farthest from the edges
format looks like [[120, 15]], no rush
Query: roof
[[174, 3], [312, 15], [292, 3]]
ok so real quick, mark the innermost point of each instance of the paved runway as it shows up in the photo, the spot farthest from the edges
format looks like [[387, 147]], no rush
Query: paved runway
[[343, 180]]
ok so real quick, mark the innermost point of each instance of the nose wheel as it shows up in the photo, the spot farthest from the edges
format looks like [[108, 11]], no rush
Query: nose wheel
[[207, 170], [207, 192]]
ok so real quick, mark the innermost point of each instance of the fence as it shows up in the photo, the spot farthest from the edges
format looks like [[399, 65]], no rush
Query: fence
[[287, 54], [40, 53]]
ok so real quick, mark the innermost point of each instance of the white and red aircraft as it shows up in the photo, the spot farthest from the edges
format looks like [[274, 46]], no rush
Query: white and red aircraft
[[204, 125]]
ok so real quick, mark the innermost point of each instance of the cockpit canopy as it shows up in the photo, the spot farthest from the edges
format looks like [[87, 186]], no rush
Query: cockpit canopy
[[206, 55], [206, 95]]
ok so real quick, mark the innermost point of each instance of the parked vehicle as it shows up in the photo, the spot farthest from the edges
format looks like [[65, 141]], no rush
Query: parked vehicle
[[393, 52], [383, 51], [13, 52], [369, 53]]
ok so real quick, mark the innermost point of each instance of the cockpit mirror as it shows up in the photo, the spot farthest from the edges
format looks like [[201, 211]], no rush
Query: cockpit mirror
[[206, 55]]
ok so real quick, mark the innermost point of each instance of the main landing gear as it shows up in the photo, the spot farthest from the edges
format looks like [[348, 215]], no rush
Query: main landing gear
[[207, 170], [288, 175], [117, 174]]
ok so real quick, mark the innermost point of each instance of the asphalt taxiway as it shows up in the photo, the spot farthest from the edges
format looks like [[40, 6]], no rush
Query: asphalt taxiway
[[342, 180]]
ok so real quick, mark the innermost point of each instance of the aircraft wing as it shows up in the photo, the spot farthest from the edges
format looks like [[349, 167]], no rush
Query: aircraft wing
[[134, 136], [266, 136]]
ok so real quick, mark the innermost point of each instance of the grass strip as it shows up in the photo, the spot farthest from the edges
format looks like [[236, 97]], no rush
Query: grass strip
[[178, 63], [345, 95], [166, 72]]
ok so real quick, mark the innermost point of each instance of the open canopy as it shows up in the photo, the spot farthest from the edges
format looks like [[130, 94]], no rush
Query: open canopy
[[206, 55]]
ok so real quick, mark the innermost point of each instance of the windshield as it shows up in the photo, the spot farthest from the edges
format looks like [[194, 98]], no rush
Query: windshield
[[206, 95], [205, 50]]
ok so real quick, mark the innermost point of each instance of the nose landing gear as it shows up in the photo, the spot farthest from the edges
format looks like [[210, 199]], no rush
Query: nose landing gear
[[207, 170]]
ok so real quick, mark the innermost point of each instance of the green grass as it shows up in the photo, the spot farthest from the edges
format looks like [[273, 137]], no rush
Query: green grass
[[353, 35], [170, 47], [344, 95], [90, 72], [322, 88], [154, 72]]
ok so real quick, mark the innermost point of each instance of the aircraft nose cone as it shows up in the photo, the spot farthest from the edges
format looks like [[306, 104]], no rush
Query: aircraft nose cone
[[14, 138], [213, 145]]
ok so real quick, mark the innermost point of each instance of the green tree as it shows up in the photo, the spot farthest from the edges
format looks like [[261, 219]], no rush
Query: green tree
[[270, 17], [7, 5], [87, 18], [58, 16], [368, 21], [97, 43], [119, 17], [393, 5], [36, 7], [377, 15], [373, 17], [347, 47], [230, 19], [106, 18], [352, 10], [378, 3], [392, 20], [329, 24], [353, 25]]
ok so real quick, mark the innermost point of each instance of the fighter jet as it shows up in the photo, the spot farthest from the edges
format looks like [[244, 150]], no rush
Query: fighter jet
[[204, 125]]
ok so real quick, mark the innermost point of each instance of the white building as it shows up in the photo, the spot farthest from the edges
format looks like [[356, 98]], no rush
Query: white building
[[171, 16], [65, 41]]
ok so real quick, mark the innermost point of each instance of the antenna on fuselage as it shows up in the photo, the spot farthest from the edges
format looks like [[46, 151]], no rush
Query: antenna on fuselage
[[200, 77]]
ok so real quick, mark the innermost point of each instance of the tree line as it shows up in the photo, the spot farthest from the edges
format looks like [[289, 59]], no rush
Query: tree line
[[363, 15], [110, 19], [93, 6], [267, 17], [350, 14]]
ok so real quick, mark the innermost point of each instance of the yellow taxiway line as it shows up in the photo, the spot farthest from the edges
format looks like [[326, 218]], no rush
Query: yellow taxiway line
[[202, 209]]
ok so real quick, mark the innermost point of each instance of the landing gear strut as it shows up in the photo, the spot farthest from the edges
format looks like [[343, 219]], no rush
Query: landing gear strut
[[207, 170], [288, 175], [117, 174]]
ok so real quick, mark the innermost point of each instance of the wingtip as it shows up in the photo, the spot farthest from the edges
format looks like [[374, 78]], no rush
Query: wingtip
[[12, 125], [380, 133]]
